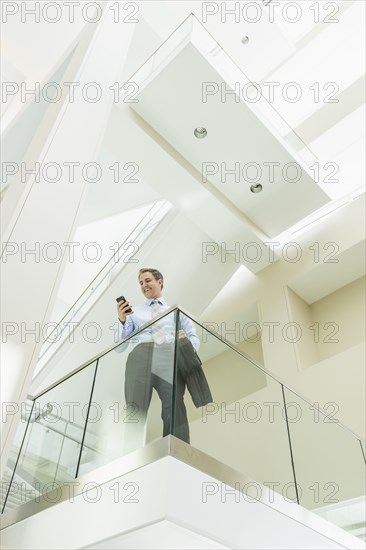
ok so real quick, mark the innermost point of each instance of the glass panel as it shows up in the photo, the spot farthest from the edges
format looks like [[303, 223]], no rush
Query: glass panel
[[132, 397], [12, 499], [235, 411], [329, 464], [51, 448]]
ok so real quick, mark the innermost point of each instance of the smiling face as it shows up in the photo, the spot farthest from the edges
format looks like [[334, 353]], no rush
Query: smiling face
[[150, 287]]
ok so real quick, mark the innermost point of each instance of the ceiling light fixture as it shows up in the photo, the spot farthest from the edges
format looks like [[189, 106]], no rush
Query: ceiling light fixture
[[200, 132], [257, 188], [245, 39]]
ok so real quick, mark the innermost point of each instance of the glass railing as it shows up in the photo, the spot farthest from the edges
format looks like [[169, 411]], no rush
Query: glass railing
[[329, 463], [243, 424], [27, 414], [154, 383]]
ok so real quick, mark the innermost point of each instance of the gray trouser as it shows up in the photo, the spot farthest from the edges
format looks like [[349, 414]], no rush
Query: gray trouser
[[140, 381]]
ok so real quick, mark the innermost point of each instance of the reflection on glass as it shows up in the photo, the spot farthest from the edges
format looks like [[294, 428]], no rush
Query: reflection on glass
[[13, 499], [329, 463], [52, 444], [242, 425], [132, 397]]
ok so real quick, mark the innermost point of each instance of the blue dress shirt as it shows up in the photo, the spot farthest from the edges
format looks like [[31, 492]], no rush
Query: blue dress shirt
[[143, 314]]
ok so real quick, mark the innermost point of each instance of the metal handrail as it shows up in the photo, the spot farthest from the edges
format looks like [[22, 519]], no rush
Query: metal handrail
[[98, 356], [177, 307]]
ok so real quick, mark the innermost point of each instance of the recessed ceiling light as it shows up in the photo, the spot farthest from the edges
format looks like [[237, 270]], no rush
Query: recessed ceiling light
[[200, 132], [257, 188], [245, 39]]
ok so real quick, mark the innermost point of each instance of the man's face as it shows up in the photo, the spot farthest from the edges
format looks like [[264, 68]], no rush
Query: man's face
[[150, 287]]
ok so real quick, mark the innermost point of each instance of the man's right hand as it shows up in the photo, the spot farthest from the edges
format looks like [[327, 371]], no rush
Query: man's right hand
[[121, 311]]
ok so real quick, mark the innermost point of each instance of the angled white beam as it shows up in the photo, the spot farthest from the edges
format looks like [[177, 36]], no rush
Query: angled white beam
[[231, 232]]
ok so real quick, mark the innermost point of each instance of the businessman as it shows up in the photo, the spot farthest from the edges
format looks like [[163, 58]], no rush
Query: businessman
[[150, 363]]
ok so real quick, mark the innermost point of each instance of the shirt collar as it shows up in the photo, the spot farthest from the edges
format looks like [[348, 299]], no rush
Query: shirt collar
[[160, 300]]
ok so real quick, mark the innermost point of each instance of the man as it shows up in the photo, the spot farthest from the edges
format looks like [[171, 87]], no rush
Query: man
[[151, 362]]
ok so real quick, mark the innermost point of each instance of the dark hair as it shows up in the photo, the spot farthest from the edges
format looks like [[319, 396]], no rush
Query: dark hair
[[154, 272]]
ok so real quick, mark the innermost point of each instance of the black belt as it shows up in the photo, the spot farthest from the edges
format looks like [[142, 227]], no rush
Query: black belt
[[154, 345]]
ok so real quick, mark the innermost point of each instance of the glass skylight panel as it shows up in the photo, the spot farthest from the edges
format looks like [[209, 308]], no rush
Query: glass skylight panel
[[100, 237], [351, 164], [299, 18], [321, 70], [341, 153], [340, 169], [340, 136], [139, 233]]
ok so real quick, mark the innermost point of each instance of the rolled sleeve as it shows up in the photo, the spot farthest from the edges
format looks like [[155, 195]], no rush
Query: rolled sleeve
[[125, 330]]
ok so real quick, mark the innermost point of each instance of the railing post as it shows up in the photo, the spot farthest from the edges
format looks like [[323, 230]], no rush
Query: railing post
[[362, 450], [86, 420], [17, 460], [290, 445], [175, 371]]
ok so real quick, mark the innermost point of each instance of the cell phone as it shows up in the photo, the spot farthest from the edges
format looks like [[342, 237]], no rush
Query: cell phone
[[123, 299]]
